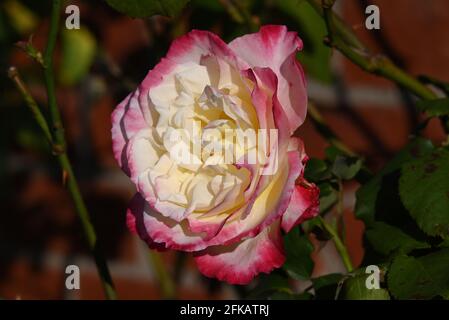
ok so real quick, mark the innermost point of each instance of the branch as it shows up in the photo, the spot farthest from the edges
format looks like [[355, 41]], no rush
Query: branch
[[342, 38], [58, 130], [14, 75], [58, 142]]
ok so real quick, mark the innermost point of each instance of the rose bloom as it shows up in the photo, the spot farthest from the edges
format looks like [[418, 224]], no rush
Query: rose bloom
[[229, 215]]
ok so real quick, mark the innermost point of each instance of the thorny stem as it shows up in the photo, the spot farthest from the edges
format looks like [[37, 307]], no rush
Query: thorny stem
[[342, 38], [14, 75], [58, 143]]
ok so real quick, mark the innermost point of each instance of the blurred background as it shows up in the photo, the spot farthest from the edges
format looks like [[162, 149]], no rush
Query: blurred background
[[100, 63]]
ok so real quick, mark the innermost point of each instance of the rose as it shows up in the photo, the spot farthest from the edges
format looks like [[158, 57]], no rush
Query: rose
[[229, 215]]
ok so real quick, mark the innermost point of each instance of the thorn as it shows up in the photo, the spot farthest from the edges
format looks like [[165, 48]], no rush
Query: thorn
[[30, 50], [12, 72], [64, 178]]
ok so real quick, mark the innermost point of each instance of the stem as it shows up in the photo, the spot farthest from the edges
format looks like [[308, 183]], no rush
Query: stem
[[58, 129], [384, 67], [340, 209], [88, 228], [13, 73], [341, 28], [166, 283], [341, 248], [342, 38], [59, 148]]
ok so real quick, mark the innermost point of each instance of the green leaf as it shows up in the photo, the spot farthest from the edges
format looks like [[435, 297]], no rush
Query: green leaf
[[424, 190], [420, 278], [346, 167], [148, 8], [387, 239], [368, 193], [332, 152], [355, 289], [316, 170], [326, 280], [326, 286], [78, 52], [328, 196], [434, 108], [298, 248], [268, 284]]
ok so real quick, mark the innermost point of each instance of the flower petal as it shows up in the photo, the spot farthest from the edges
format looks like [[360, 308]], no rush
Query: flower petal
[[241, 262], [127, 120], [274, 47], [195, 45], [304, 205], [159, 231]]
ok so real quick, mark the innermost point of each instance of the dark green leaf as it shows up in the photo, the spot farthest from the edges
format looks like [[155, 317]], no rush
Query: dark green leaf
[[424, 190], [148, 8], [268, 284], [434, 108], [328, 196], [326, 280], [332, 152], [298, 248], [368, 193], [346, 167], [327, 286], [355, 289], [316, 170], [420, 278], [387, 239]]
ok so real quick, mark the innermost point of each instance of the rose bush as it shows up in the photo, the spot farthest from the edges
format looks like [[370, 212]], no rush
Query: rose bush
[[229, 215]]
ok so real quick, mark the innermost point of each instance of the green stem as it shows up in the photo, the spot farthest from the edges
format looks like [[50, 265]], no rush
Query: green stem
[[341, 28], [166, 283], [88, 228], [342, 38], [13, 73], [341, 209], [59, 148], [55, 116], [341, 248], [384, 67]]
